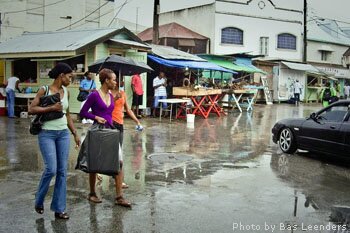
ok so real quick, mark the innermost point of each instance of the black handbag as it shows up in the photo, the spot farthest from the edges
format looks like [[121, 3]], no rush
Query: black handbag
[[82, 96], [35, 125], [48, 100], [38, 120]]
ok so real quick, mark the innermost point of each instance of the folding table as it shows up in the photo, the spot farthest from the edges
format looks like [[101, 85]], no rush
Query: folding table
[[171, 102], [238, 95]]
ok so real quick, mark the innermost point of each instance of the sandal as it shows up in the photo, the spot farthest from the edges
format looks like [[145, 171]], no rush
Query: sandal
[[125, 186], [122, 202], [92, 197], [39, 210], [62, 215]]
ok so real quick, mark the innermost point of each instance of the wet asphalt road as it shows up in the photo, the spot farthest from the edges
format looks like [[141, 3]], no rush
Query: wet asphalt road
[[219, 175]]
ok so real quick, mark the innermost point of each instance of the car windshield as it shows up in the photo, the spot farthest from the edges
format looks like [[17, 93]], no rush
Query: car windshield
[[336, 113]]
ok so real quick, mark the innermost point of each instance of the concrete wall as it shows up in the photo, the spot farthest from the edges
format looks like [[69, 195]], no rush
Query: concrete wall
[[199, 19], [335, 57], [269, 21], [50, 16], [283, 83]]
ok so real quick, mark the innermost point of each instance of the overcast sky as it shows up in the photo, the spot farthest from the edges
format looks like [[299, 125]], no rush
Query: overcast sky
[[334, 9]]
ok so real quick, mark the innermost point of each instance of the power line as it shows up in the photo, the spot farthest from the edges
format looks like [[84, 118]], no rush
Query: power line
[[340, 32], [54, 3], [121, 7], [96, 17], [84, 17]]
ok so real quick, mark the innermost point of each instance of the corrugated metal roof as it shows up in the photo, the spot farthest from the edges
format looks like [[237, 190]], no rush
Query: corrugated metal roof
[[171, 30], [131, 43], [171, 53], [316, 33], [53, 41], [300, 66]]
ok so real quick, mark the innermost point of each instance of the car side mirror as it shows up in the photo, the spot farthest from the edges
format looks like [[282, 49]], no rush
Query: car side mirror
[[313, 116]]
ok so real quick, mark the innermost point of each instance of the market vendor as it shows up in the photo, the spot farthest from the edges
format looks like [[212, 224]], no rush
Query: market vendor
[[159, 85]]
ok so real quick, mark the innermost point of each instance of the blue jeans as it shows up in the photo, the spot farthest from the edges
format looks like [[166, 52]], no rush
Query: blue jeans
[[156, 101], [10, 95], [54, 147]]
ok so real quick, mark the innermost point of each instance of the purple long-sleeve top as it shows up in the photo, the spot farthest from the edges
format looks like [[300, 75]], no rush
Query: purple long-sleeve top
[[98, 108]]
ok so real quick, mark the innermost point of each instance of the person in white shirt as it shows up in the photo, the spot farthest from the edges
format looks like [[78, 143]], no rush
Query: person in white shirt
[[347, 90], [11, 86], [297, 92], [159, 85]]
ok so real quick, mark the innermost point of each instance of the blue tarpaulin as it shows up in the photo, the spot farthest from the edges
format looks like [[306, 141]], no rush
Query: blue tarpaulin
[[190, 64]]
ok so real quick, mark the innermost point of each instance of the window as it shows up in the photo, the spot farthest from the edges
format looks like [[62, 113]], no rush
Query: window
[[231, 35], [286, 41], [264, 46], [325, 55], [335, 114]]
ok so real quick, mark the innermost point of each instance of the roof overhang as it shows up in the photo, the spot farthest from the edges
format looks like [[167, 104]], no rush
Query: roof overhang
[[301, 67], [41, 54], [129, 44]]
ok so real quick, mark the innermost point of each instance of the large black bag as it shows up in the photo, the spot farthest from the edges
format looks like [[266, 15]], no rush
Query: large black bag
[[100, 151]]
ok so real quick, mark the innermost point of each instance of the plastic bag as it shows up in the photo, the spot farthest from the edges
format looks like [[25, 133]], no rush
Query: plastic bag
[[100, 151]]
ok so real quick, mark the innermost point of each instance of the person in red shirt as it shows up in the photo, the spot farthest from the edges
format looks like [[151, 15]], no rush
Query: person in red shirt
[[137, 97]]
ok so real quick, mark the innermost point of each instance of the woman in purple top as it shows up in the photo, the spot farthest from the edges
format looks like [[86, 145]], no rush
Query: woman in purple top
[[101, 103]]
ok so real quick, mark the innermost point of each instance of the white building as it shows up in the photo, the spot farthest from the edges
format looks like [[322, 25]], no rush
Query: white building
[[268, 27], [58, 15], [326, 45]]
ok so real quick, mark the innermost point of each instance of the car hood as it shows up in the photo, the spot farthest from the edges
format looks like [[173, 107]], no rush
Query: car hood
[[290, 122]]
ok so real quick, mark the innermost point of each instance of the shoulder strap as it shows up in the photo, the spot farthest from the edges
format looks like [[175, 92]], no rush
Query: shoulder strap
[[92, 83], [47, 89]]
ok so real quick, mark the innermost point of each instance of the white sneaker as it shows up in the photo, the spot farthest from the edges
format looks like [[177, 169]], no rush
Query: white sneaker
[[84, 121], [89, 121]]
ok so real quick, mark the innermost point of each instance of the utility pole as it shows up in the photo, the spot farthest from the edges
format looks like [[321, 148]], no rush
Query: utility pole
[[137, 18], [156, 22], [0, 25], [305, 32]]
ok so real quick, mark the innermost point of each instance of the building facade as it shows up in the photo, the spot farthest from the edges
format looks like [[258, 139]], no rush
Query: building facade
[[58, 15], [251, 26]]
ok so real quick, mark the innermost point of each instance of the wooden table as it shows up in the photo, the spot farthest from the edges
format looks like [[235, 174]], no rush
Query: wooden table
[[171, 102], [205, 101], [240, 96]]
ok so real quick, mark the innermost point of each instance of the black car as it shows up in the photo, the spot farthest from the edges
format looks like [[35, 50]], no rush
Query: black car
[[326, 131]]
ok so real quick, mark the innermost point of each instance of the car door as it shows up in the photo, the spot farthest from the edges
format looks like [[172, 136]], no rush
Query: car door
[[345, 134], [323, 134]]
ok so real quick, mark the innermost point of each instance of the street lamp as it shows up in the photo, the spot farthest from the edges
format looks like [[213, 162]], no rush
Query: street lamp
[[70, 20]]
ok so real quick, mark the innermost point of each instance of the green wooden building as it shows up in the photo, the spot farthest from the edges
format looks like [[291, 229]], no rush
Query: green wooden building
[[31, 56]]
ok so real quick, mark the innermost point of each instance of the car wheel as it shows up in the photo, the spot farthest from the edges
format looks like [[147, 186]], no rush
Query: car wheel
[[286, 141]]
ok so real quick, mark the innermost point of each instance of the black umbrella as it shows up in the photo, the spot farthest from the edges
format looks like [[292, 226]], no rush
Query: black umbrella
[[120, 65]]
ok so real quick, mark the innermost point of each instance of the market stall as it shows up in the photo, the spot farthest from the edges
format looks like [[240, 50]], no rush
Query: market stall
[[205, 101]]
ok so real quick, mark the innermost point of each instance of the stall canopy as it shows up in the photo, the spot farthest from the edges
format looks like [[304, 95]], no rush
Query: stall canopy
[[228, 62], [202, 65], [308, 69]]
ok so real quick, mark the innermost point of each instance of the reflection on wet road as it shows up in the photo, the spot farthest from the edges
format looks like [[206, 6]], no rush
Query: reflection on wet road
[[218, 175]]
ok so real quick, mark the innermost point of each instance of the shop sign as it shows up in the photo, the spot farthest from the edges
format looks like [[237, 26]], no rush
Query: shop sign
[[339, 73]]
